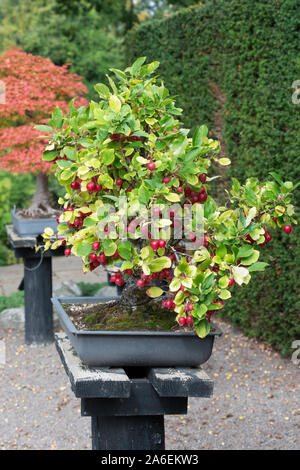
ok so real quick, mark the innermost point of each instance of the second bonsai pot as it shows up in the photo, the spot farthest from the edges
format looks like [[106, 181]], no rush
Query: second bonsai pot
[[134, 348], [32, 227]]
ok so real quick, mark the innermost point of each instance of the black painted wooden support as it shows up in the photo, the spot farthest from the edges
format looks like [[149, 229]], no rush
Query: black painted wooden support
[[37, 295], [37, 287], [127, 406]]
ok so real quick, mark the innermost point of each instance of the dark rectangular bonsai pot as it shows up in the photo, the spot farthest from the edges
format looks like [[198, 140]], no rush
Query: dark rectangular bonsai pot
[[134, 348], [32, 227]]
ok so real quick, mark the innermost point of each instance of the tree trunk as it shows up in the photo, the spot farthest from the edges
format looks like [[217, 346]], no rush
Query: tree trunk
[[41, 205]]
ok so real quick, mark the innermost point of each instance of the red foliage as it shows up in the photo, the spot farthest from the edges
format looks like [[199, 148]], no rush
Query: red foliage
[[34, 87]]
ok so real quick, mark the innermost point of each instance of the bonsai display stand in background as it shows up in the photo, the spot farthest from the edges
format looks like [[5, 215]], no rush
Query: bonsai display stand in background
[[127, 406], [37, 286]]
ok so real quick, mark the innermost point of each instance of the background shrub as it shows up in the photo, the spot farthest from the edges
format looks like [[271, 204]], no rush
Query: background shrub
[[232, 65]]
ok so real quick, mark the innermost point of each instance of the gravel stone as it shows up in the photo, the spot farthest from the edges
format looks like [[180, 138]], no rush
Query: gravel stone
[[255, 405]]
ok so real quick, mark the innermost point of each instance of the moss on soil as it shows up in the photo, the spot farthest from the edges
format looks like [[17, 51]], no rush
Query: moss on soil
[[116, 317]]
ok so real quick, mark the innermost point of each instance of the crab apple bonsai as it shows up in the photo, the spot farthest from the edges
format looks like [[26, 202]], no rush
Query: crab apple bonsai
[[132, 145], [35, 88]]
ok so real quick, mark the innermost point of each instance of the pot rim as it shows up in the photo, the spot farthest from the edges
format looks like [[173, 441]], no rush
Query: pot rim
[[57, 303]]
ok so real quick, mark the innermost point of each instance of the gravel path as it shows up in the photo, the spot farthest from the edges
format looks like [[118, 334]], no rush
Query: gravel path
[[256, 402]]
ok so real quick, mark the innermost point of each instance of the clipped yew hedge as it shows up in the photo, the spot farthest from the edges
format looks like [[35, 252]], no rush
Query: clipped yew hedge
[[232, 64]]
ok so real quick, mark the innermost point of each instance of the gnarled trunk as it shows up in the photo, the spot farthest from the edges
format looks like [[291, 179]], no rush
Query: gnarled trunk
[[41, 205]]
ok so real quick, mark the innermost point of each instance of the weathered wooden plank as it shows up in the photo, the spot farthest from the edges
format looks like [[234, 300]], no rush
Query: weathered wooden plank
[[184, 381], [18, 241], [89, 382], [143, 401]]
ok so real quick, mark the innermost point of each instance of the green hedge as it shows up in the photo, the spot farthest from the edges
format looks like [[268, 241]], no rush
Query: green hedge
[[232, 64]]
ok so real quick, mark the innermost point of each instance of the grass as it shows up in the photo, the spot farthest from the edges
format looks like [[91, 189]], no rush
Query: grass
[[16, 299], [89, 289]]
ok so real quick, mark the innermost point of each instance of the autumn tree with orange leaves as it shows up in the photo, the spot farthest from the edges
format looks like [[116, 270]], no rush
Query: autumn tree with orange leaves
[[34, 88]]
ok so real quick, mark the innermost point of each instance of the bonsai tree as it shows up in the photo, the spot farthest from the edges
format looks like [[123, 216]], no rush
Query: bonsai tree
[[34, 88], [138, 195]]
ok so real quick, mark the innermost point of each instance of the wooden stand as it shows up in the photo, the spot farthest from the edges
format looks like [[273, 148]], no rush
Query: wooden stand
[[127, 406], [37, 287]]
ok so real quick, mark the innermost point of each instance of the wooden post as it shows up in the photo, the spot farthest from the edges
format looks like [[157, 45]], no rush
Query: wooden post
[[37, 285], [37, 295], [127, 408], [128, 433]]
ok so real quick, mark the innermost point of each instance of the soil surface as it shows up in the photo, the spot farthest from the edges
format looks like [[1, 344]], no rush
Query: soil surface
[[113, 316]]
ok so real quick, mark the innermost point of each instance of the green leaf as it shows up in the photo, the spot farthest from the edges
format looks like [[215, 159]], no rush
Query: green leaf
[[57, 118], [143, 195], [221, 251], [106, 181], [172, 197], [224, 161], [83, 249], [126, 265], [245, 251], [62, 164], [202, 328], [44, 128], [125, 250], [159, 264], [102, 90], [259, 266], [109, 247], [250, 216], [114, 103], [199, 134], [89, 222], [49, 156], [67, 174], [136, 66], [251, 259], [154, 292], [175, 284], [108, 156], [225, 294], [71, 153], [223, 282]]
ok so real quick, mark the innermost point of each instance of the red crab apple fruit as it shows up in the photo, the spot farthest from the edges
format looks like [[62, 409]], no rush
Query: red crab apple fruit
[[96, 246], [67, 252], [75, 185], [287, 229], [151, 166], [231, 281], [90, 186], [140, 283], [154, 244], [92, 257], [189, 320], [161, 243], [166, 179], [102, 258], [268, 236], [181, 321], [202, 177]]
